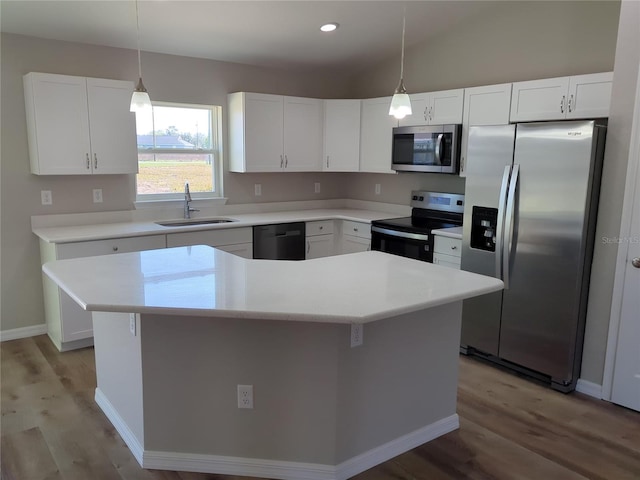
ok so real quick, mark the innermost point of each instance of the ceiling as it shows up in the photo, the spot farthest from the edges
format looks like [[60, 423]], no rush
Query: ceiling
[[282, 34]]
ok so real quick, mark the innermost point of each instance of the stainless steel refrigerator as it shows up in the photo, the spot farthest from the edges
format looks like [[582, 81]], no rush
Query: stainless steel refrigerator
[[531, 202]]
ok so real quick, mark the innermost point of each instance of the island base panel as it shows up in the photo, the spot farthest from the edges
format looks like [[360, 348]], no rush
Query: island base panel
[[322, 410]]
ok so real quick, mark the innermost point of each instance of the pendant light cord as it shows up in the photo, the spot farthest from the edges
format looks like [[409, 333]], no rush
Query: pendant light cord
[[404, 20], [138, 30]]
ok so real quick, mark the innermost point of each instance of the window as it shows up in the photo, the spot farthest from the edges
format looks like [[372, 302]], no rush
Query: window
[[178, 144]]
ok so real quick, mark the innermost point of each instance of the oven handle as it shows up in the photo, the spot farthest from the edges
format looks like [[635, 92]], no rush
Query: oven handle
[[396, 233]]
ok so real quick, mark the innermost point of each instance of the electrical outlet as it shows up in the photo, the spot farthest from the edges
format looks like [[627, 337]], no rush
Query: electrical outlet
[[97, 195], [316, 187], [132, 324], [377, 189], [357, 331], [245, 396], [46, 197], [257, 189]]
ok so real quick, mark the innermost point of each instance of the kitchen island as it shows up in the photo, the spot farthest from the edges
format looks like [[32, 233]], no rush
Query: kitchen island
[[178, 330]]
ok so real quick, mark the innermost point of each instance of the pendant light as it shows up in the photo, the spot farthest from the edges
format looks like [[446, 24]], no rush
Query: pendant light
[[140, 101], [400, 103]]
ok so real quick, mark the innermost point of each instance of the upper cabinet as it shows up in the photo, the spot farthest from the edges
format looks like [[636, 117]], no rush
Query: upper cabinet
[[341, 136], [376, 129], [79, 126], [435, 108], [487, 105], [274, 133], [580, 96]]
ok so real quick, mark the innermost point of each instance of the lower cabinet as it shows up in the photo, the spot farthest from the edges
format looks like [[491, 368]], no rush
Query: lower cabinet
[[68, 325], [238, 241], [446, 251], [356, 237], [320, 240]]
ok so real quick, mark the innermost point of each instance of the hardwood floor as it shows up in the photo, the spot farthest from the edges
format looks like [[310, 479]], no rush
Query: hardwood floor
[[510, 428]]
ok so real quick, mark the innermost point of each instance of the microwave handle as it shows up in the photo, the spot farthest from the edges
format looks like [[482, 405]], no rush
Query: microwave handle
[[438, 152]]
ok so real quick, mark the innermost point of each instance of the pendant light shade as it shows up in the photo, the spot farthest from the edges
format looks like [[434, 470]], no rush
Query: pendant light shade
[[400, 103], [140, 101]]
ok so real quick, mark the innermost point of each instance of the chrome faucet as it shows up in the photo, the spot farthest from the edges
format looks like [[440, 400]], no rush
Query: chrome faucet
[[187, 200]]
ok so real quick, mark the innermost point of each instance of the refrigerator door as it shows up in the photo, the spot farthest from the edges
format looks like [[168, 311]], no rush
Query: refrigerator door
[[489, 159], [543, 306]]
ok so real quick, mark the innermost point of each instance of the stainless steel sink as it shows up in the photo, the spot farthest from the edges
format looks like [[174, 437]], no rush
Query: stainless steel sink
[[186, 223]]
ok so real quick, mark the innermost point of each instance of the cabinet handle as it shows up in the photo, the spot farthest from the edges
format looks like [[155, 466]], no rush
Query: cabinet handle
[[426, 114], [570, 102], [115, 249], [321, 227], [88, 162], [95, 161], [562, 104], [355, 229], [286, 161], [453, 247], [430, 113], [462, 163], [308, 246], [281, 161], [327, 161]]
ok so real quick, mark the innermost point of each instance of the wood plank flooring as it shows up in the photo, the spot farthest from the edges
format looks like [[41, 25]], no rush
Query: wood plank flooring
[[510, 428]]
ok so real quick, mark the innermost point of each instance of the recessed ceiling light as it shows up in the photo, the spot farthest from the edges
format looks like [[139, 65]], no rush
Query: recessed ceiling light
[[329, 27]]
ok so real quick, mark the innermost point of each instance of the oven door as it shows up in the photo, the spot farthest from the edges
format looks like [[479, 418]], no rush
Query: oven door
[[412, 245]]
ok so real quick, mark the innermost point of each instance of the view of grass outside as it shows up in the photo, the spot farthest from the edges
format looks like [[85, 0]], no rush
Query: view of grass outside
[[169, 173], [185, 130]]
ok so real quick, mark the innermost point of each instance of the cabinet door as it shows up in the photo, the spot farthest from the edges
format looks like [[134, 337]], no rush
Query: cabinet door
[[446, 260], [57, 124], [351, 244], [302, 134], [489, 105], [263, 132], [589, 95], [319, 246], [446, 107], [113, 126], [341, 136], [244, 250], [376, 135], [420, 104], [539, 100]]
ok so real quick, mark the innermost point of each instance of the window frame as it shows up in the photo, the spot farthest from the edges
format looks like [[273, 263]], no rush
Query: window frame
[[216, 153]]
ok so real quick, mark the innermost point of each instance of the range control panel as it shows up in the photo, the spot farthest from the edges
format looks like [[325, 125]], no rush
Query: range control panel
[[447, 202]]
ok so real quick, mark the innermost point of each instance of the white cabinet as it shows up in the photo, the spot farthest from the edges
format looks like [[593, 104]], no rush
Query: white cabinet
[[580, 96], [238, 241], [447, 251], [376, 129], [487, 105], [356, 237], [79, 126], [320, 239], [68, 325], [273, 133], [435, 108], [341, 136]]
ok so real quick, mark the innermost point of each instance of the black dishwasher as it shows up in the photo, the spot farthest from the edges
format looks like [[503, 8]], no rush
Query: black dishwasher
[[281, 241]]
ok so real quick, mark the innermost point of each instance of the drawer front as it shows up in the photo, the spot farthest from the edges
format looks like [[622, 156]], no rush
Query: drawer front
[[106, 247], [357, 229], [447, 245], [322, 227], [446, 260], [213, 238]]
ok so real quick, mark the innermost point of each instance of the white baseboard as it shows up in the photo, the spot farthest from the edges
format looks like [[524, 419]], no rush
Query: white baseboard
[[123, 429], [283, 470], [24, 332], [589, 388]]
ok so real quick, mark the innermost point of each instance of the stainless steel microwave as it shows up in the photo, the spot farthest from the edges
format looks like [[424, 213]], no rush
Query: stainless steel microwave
[[426, 148]]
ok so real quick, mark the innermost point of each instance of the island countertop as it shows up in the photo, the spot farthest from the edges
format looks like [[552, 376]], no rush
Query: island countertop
[[204, 281]]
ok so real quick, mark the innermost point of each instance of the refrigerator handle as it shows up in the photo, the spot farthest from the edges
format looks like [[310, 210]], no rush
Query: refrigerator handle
[[500, 220], [509, 225]]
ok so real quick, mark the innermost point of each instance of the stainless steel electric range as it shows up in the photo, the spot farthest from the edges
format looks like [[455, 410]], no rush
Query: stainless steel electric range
[[411, 236]]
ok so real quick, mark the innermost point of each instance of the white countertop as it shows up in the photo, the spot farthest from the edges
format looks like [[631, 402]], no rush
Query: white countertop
[[80, 233], [452, 232], [203, 281]]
